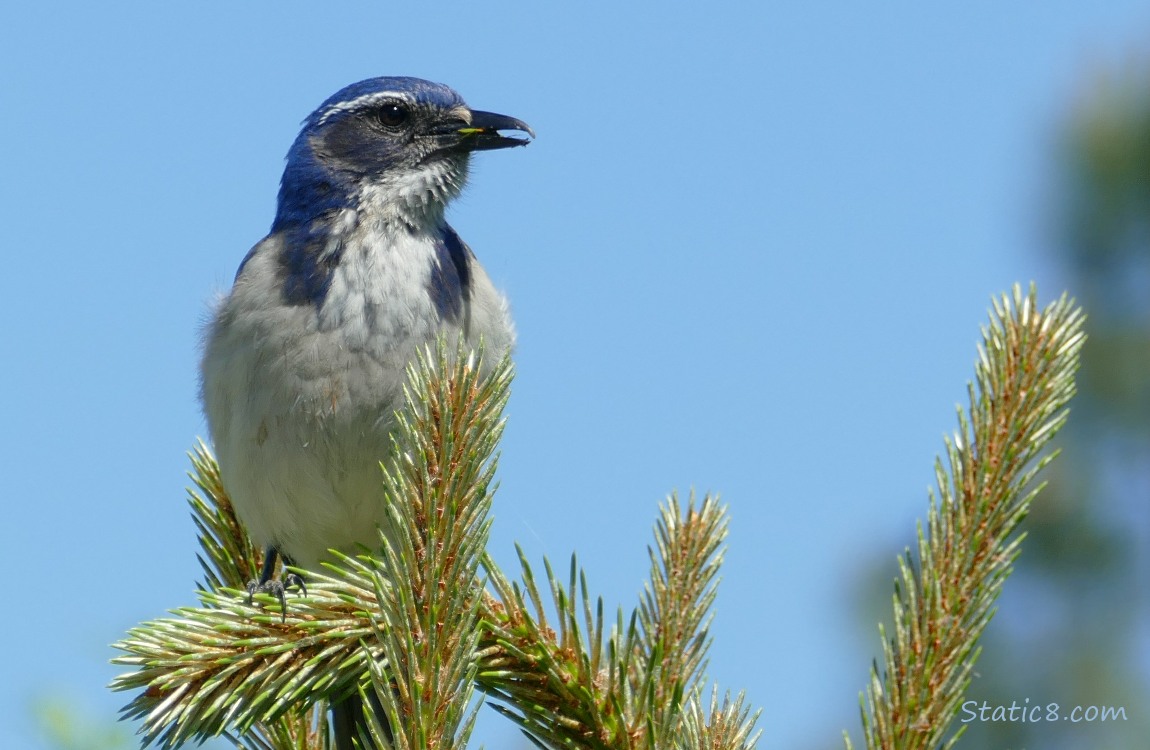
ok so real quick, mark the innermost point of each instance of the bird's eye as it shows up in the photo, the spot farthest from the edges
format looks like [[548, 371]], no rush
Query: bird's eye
[[392, 115]]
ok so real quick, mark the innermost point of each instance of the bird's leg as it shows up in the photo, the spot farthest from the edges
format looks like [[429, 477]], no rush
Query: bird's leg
[[265, 584], [348, 720]]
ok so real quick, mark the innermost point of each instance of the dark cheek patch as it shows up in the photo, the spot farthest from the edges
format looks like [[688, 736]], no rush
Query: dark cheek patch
[[357, 147]]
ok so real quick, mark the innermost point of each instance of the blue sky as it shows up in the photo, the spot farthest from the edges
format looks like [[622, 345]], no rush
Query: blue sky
[[749, 252]]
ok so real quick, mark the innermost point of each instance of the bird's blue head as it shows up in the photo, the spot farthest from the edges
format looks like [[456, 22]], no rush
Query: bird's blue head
[[400, 143]]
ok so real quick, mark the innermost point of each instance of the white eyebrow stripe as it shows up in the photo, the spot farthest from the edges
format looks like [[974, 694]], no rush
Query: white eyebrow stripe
[[361, 102]]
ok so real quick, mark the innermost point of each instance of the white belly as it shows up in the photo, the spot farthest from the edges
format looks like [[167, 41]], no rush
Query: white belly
[[300, 402]]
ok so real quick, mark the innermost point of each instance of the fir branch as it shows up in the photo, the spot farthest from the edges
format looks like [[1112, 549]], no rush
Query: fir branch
[[442, 481], [557, 690], [944, 597], [576, 688], [675, 612], [226, 666], [729, 726]]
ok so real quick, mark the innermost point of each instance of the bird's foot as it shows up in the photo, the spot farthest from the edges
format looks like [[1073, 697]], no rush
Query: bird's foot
[[278, 589]]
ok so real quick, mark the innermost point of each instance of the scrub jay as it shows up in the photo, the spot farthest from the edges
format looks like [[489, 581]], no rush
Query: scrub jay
[[304, 360]]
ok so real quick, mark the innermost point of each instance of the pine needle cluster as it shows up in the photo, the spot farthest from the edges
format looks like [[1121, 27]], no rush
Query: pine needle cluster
[[417, 626], [945, 593], [574, 684]]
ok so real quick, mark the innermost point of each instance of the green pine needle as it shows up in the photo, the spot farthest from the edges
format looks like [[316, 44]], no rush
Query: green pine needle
[[413, 628], [944, 596], [730, 725], [582, 688]]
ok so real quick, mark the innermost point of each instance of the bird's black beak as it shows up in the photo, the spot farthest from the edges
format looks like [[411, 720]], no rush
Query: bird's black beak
[[483, 132]]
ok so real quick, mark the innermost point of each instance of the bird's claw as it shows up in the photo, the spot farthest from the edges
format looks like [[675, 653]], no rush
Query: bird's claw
[[278, 589]]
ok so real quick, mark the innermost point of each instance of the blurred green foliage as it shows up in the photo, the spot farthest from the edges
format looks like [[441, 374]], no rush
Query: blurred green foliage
[[63, 727], [1073, 624]]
